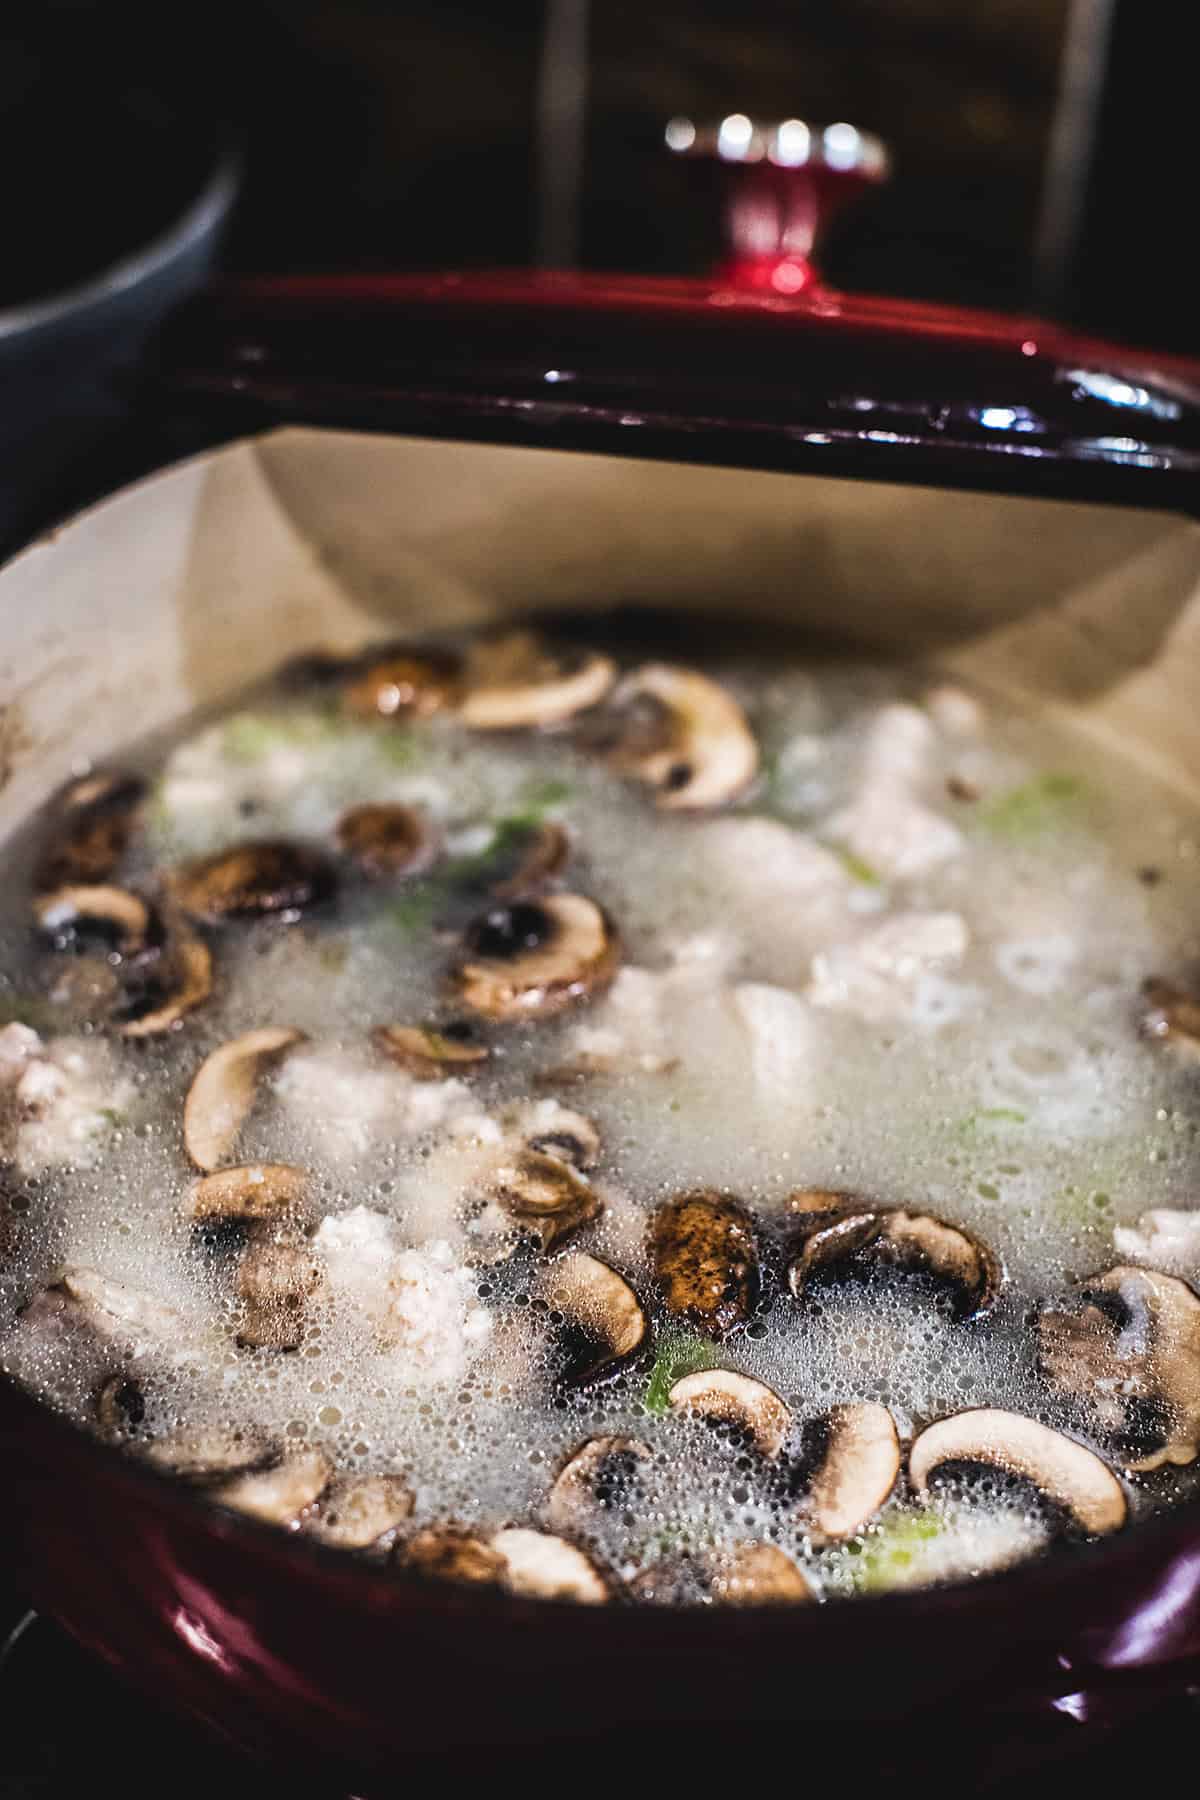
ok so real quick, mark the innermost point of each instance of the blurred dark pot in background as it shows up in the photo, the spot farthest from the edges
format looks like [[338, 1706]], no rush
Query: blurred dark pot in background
[[67, 358]]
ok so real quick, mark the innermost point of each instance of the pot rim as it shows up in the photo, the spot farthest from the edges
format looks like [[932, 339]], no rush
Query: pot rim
[[189, 228]]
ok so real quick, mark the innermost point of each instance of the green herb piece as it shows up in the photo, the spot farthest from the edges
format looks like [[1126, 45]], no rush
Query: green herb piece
[[112, 1117], [681, 1353], [990, 1115], [27, 1009], [538, 796], [888, 1554], [415, 911], [1047, 803], [249, 736], [398, 747], [856, 866]]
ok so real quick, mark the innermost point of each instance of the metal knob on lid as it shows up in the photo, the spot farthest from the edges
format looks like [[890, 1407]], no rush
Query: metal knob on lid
[[783, 181]]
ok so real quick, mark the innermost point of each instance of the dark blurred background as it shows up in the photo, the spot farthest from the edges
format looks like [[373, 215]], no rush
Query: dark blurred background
[[1039, 145]]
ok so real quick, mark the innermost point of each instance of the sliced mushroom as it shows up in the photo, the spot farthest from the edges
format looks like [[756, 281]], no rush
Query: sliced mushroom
[[533, 959], [514, 681], [555, 1130], [249, 1191], [544, 1567], [1067, 1474], [602, 1474], [120, 1406], [114, 1310], [854, 1470], [1171, 1013], [360, 1511], [223, 1090], [544, 1195], [207, 1456], [388, 840], [1130, 1352], [275, 1282], [94, 821], [182, 980], [601, 1305], [840, 1233], [427, 1054], [254, 880], [448, 1554], [683, 736], [403, 684], [735, 1399], [706, 1260], [749, 1575], [542, 853], [280, 1495], [120, 916]]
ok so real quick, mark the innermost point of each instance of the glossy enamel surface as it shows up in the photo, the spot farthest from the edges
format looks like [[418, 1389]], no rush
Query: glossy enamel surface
[[717, 371]]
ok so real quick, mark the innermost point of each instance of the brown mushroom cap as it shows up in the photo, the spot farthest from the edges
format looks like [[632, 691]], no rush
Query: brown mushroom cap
[[839, 1230], [120, 1406], [249, 1191], [124, 917], [182, 981], [1171, 1013], [530, 960], [1130, 1351], [1069, 1475], [544, 1195], [514, 682], [599, 1302], [403, 684], [253, 880], [360, 1511], [686, 737], [274, 1283], [756, 1574], [94, 821], [600, 1474], [278, 1496], [706, 1260], [448, 1554], [388, 840], [223, 1091], [856, 1471], [545, 1567], [210, 1455], [427, 1054], [739, 1400]]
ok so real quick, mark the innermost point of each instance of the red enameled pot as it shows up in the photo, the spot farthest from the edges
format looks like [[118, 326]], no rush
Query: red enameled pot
[[301, 1655]]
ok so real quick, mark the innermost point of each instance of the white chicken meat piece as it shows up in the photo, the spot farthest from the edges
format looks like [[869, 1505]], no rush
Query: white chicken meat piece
[[798, 893], [1164, 1238], [760, 1040], [879, 975], [345, 1103], [418, 1303], [59, 1101], [887, 824]]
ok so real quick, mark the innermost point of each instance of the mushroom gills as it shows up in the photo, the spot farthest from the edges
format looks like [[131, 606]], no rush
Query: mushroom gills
[[721, 1395], [604, 1473], [705, 1257], [533, 959], [1129, 1354], [1070, 1478], [840, 1238], [603, 1316], [274, 1283]]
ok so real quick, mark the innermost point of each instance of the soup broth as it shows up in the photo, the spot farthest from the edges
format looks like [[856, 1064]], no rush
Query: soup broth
[[660, 1121]]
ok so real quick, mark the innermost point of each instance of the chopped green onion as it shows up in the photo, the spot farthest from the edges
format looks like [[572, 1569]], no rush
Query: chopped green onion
[[1044, 804], [681, 1353]]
